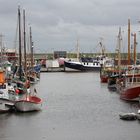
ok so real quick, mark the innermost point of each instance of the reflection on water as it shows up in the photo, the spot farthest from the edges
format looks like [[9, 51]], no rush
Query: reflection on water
[[76, 106], [26, 114]]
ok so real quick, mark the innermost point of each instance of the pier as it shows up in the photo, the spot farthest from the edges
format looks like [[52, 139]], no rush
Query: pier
[[52, 69]]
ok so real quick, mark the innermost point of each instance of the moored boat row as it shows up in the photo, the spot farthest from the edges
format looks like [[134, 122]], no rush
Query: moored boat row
[[16, 89], [124, 78], [17, 96]]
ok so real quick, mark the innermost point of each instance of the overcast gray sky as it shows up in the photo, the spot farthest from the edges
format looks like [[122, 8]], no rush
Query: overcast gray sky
[[57, 24]]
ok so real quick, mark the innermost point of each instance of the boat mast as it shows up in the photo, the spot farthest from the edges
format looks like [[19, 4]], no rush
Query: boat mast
[[20, 66], [102, 47], [135, 43], [134, 55], [25, 60], [119, 49], [77, 49], [31, 48], [1, 48], [128, 41]]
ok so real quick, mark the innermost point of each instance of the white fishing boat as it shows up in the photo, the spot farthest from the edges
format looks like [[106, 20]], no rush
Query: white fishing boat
[[30, 103], [6, 95]]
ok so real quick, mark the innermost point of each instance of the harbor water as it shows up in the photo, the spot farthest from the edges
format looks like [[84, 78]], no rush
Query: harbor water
[[76, 106]]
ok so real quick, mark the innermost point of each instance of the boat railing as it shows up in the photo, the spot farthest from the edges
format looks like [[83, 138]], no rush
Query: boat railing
[[132, 81]]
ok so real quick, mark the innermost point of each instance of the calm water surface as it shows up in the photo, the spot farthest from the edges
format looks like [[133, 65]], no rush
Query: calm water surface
[[76, 107]]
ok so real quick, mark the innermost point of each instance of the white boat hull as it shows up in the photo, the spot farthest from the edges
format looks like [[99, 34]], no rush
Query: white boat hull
[[5, 105], [27, 106]]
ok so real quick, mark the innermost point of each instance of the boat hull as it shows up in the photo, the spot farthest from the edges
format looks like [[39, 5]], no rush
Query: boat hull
[[6, 105], [104, 79], [80, 66], [131, 93], [29, 104], [112, 83]]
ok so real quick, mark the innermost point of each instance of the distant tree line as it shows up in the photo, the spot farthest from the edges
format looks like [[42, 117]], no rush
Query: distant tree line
[[50, 56]]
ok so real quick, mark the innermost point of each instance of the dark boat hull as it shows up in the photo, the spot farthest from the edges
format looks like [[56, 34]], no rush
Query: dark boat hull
[[80, 67], [128, 116], [112, 83]]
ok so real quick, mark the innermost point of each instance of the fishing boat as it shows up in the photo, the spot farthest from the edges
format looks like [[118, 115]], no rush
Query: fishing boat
[[6, 103], [131, 82], [83, 66], [29, 102], [88, 63], [20, 85], [116, 72], [33, 72], [131, 93], [131, 89], [106, 73]]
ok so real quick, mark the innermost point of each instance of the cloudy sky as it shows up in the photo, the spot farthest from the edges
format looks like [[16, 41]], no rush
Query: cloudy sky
[[57, 24]]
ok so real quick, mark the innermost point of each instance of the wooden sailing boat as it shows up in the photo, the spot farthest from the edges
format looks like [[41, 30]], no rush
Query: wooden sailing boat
[[19, 79], [34, 70], [32, 74], [29, 102], [110, 73], [116, 74]]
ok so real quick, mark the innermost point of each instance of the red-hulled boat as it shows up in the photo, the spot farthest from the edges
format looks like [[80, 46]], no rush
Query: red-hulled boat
[[104, 78], [105, 73], [131, 89], [131, 93], [30, 103]]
